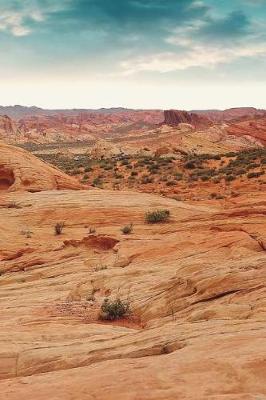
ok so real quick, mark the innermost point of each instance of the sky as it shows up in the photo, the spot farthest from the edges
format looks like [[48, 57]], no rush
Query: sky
[[183, 54]]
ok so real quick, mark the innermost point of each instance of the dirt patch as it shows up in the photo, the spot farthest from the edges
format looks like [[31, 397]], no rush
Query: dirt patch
[[92, 241]]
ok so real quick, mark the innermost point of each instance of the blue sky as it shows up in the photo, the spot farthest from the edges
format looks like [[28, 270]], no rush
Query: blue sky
[[134, 53]]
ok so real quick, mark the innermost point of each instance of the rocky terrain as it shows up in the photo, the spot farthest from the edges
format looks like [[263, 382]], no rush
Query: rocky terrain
[[255, 128], [174, 118], [232, 114], [173, 174], [19, 170], [193, 282], [200, 131]]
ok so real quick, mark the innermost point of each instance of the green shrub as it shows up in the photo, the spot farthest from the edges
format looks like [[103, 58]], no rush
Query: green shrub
[[154, 217], [178, 176], [146, 179], [126, 230], [229, 178], [189, 165], [170, 183], [97, 182], [113, 310], [254, 175]]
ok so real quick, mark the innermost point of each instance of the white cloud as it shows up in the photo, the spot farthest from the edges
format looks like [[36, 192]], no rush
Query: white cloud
[[199, 55], [14, 18]]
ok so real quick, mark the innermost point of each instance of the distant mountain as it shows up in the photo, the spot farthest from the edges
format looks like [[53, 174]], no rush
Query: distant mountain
[[231, 113], [18, 112]]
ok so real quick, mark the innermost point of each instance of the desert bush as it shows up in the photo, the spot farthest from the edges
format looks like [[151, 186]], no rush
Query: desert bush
[[170, 183], [254, 175], [178, 176], [125, 162], [118, 176], [229, 178], [97, 182], [75, 171], [58, 228], [205, 178], [146, 179], [87, 169], [126, 230], [189, 165], [113, 310], [153, 217]]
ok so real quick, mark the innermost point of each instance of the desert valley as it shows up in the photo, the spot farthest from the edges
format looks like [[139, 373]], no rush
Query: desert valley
[[132, 254]]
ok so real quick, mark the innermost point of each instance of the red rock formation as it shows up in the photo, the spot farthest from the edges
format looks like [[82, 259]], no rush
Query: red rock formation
[[231, 114], [21, 171], [6, 124], [255, 128], [176, 117]]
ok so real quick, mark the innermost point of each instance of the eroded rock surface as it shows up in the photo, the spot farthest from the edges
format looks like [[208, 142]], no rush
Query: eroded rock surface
[[196, 287], [176, 117], [19, 170]]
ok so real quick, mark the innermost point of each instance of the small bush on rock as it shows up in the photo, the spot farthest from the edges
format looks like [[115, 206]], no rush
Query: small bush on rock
[[59, 228], [113, 310], [154, 217], [126, 230]]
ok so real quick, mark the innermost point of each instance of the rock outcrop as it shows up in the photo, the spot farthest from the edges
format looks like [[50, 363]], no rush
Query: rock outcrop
[[7, 126], [103, 149], [196, 288], [19, 170], [176, 117], [255, 128]]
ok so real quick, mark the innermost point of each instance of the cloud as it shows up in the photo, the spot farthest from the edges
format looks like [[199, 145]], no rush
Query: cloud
[[17, 17], [197, 56], [203, 43]]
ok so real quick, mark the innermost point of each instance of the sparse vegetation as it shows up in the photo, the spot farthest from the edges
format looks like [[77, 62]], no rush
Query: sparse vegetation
[[58, 228], [154, 217], [203, 173], [114, 310], [126, 230]]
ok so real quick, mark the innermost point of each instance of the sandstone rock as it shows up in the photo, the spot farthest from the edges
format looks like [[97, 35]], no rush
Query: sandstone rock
[[19, 170], [103, 149], [175, 117], [197, 298]]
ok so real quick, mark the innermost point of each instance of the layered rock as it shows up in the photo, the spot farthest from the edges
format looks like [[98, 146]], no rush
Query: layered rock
[[176, 117], [7, 126], [255, 128], [196, 287], [19, 170]]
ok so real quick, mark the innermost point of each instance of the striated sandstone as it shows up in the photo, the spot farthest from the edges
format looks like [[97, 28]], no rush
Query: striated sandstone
[[19, 170], [196, 287]]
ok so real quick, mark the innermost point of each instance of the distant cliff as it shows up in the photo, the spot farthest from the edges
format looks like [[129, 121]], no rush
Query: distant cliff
[[176, 117]]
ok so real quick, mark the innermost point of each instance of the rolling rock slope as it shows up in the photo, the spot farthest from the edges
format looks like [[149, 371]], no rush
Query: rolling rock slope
[[196, 288], [19, 170]]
